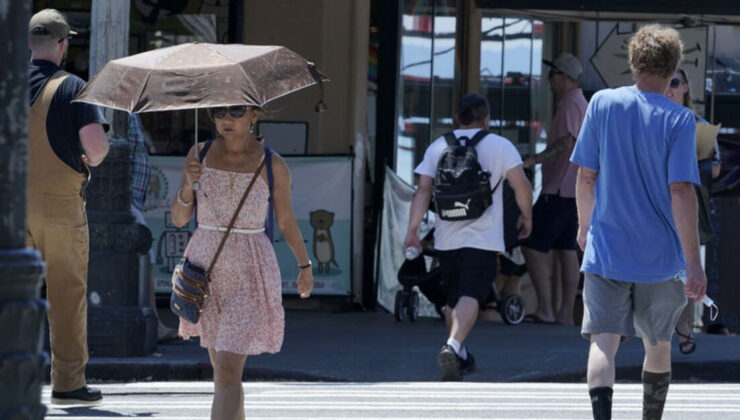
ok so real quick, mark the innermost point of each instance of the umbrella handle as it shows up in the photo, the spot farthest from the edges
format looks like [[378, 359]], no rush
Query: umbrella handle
[[196, 184], [320, 105]]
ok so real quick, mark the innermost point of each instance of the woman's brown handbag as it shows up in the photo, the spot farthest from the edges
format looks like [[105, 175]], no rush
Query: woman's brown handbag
[[190, 282]]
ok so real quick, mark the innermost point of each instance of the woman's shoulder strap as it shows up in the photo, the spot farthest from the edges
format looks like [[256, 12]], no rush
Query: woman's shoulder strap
[[269, 229], [268, 166], [204, 151]]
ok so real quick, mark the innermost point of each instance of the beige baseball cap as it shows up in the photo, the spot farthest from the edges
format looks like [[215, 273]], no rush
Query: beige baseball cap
[[49, 24], [568, 64]]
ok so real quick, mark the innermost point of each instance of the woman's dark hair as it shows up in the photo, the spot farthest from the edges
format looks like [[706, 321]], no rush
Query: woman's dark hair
[[686, 96], [471, 108]]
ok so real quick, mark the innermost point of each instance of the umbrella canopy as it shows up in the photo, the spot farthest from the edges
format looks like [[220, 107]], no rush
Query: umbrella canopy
[[200, 75]]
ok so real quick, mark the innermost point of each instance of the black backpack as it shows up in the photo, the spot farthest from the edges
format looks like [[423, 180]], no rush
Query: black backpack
[[462, 189]]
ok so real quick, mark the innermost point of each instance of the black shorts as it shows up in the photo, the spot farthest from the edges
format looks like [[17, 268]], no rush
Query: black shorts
[[468, 272], [554, 224]]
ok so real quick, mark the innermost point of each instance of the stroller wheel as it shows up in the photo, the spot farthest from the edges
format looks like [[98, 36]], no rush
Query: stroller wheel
[[413, 306], [398, 307], [512, 309]]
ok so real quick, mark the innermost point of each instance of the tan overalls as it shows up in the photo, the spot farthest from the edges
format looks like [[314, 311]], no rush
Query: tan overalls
[[57, 227]]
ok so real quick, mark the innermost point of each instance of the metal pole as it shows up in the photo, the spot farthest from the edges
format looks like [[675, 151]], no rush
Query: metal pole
[[114, 283], [503, 76], [714, 72], [22, 313]]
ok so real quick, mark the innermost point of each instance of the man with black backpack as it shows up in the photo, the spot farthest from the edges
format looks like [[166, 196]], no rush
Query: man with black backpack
[[462, 172]]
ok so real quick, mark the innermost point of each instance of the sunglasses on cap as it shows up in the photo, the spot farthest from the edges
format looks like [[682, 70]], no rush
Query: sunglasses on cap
[[676, 82], [235, 111]]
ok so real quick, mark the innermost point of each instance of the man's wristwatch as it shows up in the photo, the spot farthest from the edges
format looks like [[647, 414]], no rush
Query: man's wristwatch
[[305, 266]]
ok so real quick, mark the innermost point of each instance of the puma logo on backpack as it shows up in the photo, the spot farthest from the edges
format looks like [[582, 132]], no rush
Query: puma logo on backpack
[[466, 205], [462, 189]]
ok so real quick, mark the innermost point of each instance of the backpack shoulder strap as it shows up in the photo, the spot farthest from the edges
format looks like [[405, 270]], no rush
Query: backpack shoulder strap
[[201, 156], [269, 228], [451, 139], [204, 150], [478, 137], [497, 184]]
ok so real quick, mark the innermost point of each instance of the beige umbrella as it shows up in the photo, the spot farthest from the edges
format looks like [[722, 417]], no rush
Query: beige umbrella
[[201, 75], [197, 75]]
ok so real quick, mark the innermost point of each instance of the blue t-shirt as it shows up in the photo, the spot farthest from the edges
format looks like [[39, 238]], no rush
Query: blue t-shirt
[[639, 142]]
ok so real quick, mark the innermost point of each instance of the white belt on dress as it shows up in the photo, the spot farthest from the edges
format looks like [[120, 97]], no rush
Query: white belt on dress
[[233, 230]]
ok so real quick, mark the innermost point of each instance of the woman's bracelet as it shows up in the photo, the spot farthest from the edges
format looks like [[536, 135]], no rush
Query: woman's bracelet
[[181, 201], [307, 265]]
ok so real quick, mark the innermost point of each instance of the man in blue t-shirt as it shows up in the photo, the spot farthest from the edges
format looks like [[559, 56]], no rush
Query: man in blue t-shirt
[[637, 219]]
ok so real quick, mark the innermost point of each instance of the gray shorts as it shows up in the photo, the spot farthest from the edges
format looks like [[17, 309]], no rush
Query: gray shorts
[[650, 310]]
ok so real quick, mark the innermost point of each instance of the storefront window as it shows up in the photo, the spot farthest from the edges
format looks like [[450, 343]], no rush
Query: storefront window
[[443, 71], [426, 79], [491, 67], [510, 75]]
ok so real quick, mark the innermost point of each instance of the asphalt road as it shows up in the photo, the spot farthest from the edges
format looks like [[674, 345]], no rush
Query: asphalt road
[[399, 400]]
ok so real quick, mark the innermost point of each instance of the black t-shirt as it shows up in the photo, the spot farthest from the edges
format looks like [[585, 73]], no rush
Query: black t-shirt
[[64, 119]]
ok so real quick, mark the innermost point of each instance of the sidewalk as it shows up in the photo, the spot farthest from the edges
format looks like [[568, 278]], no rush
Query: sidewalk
[[373, 347]]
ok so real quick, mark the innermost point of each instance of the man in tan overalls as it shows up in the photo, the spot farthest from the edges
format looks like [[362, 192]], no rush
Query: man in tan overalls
[[64, 138]]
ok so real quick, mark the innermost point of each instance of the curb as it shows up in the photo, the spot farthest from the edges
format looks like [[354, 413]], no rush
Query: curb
[[155, 371], [101, 371]]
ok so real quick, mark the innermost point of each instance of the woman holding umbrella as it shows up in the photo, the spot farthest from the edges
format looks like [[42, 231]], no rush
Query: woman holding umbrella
[[243, 313]]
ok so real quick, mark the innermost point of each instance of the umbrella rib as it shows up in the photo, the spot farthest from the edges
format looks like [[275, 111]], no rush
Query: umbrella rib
[[226, 56], [141, 91], [288, 93], [104, 106]]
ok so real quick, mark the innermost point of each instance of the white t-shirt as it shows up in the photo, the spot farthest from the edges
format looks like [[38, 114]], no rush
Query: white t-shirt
[[495, 154]]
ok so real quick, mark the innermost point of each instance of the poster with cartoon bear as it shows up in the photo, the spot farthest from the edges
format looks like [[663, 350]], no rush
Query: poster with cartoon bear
[[322, 202], [321, 195]]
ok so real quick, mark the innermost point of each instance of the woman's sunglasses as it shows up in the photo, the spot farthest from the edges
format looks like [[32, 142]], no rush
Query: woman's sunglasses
[[676, 82], [234, 111]]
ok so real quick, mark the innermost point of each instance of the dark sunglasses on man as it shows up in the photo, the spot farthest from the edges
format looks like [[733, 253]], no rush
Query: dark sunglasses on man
[[676, 82], [235, 111], [553, 72]]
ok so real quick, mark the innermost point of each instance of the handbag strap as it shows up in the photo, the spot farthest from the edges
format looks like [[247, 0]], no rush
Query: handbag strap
[[233, 218], [269, 227]]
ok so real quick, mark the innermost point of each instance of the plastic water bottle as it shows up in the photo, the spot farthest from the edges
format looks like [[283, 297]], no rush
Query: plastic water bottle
[[412, 252], [706, 300]]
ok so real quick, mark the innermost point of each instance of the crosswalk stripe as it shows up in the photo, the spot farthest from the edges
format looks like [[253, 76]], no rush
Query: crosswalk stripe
[[400, 401], [406, 406]]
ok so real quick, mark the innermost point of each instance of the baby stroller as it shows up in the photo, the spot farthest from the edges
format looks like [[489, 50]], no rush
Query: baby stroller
[[414, 273], [430, 283]]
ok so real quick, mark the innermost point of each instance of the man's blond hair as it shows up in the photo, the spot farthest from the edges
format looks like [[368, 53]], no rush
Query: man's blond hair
[[655, 50]]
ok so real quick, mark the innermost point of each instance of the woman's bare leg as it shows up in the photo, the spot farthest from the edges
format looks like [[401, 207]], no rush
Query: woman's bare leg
[[228, 396]]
